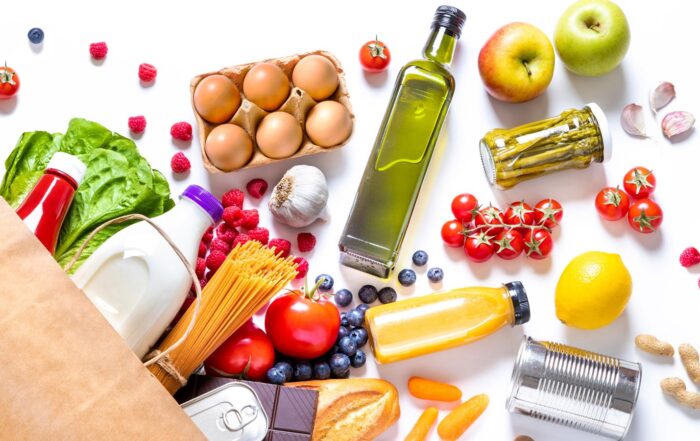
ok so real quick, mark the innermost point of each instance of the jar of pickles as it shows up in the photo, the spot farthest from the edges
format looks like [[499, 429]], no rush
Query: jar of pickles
[[573, 139]]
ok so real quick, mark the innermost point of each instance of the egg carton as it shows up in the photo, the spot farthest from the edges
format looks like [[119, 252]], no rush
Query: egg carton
[[249, 115]]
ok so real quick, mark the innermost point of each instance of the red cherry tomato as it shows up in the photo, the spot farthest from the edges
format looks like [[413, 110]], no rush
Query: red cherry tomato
[[639, 182], [464, 207], [520, 213], [9, 82], [302, 327], [490, 219], [539, 243], [479, 246], [509, 244], [612, 203], [453, 233], [548, 213], [645, 216], [374, 56], [247, 354]]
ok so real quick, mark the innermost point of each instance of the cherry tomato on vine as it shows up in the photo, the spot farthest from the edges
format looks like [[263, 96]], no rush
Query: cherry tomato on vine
[[490, 219], [453, 233], [9, 82], [639, 182], [509, 244], [479, 246], [465, 207], [645, 216], [374, 56], [548, 213], [612, 203], [520, 213], [538, 243]]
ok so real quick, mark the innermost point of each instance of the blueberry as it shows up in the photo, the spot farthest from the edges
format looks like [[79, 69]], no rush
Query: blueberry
[[359, 359], [35, 35], [367, 294], [420, 258], [343, 318], [327, 284], [343, 297], [355, 318], [343, 332], [407, 277], [321, 370], [302, 371], [286, 369], [362, 316], [275, 376], [343, 375], [362, 307], [333, 350], [388, 294], [435, 274], [340, 365], [360, 336], [347, 346]]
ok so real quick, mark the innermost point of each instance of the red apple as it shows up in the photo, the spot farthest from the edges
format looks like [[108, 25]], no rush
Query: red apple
[[516, 64]]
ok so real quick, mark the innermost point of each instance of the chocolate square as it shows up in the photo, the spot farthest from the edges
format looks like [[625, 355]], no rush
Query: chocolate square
[[296, 410], [274, 435]]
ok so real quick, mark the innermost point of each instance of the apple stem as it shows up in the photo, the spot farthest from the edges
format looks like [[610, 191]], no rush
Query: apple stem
[[527, 68]]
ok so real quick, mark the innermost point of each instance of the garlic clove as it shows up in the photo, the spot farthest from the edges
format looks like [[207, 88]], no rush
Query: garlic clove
[[632, 120], [676, 123], [661, 95]]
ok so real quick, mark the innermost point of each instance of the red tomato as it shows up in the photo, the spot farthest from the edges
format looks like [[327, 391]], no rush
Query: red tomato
[[639, 183], [479, 247], [9, 82], [612, 203], [374, 56], [520, 213], [302, 326], [490, 219], [464, 207], [453, 233], [247, 354], [645, 215], [539, 243], [509, 244], [548, 213]]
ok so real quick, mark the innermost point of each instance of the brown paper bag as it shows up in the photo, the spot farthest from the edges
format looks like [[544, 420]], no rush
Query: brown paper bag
[[65, 374]]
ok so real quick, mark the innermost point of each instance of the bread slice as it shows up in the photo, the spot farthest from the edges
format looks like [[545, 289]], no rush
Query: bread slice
[[357, 409]]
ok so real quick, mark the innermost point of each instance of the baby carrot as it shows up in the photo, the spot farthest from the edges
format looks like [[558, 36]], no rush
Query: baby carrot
[[433, 390], [458, 421], [423, 425]]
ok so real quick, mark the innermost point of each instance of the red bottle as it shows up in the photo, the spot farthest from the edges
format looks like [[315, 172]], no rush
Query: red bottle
[[45, 207]]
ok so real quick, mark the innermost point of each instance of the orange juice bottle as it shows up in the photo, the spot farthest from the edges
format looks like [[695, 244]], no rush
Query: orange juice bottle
[[434, 322]]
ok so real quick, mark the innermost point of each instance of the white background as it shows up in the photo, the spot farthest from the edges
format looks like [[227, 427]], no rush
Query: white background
[[184, 39]]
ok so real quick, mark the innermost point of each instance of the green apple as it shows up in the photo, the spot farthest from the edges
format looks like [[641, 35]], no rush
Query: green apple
[[592, 37], [517, 63]]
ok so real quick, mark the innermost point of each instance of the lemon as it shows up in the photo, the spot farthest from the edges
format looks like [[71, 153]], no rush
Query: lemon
[[593, 290]]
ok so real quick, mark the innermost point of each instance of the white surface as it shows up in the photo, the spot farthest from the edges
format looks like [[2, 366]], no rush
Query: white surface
[[184, 39]]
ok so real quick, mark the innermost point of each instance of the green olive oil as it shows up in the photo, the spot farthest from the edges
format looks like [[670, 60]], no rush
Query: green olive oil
[[404, 145]]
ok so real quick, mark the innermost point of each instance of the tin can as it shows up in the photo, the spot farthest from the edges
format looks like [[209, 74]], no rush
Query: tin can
[[576, 388], [232, 412]]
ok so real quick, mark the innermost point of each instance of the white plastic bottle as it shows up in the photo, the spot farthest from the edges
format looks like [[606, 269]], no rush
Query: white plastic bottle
[[135, 278]]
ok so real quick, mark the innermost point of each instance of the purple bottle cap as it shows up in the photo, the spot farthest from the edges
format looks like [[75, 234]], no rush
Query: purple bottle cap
[[206, 200]]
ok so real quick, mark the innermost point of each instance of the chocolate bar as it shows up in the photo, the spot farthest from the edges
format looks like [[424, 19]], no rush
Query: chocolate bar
[[291, 411]]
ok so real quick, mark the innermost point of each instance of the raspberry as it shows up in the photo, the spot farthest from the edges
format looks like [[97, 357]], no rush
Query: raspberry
[[233, 198], [137, 124], [215, 259], [203, 282], [250, 219], [200, 267], [179, 163], [147, 72], [306, 242], [206, 237], [226, 233], [256, 188], [232, 216], [260, 234], [690, 256], [240, 239], [220, 245], [302, 267], [202, 248], [98, 50], [280, 246], [181, 130]]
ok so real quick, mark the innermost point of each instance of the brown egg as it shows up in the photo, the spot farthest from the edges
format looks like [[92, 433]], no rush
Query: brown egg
[[279, 135], [316, 75], [228, 147], [266, 85], [216, 98], [328, 124]]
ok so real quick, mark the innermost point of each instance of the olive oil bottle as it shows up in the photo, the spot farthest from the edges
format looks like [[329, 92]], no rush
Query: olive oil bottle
[[402, 150]]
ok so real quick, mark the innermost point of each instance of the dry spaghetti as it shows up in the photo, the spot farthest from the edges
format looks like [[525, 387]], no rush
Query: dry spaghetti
[[249, 277]]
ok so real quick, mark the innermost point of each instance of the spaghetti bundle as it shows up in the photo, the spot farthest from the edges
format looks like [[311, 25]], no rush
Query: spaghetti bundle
[[249, 277]]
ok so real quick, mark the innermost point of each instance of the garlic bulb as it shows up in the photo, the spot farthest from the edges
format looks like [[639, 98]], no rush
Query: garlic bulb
[[300, 197]]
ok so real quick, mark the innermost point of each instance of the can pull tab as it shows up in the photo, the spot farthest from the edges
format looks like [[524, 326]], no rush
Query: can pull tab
[[235, 420]]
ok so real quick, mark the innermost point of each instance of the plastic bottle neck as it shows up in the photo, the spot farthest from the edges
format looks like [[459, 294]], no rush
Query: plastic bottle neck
[[440, 46], [62, 175]]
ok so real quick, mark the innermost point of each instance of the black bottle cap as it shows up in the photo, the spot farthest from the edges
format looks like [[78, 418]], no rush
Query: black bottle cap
[[450, 18], [521, 306]]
